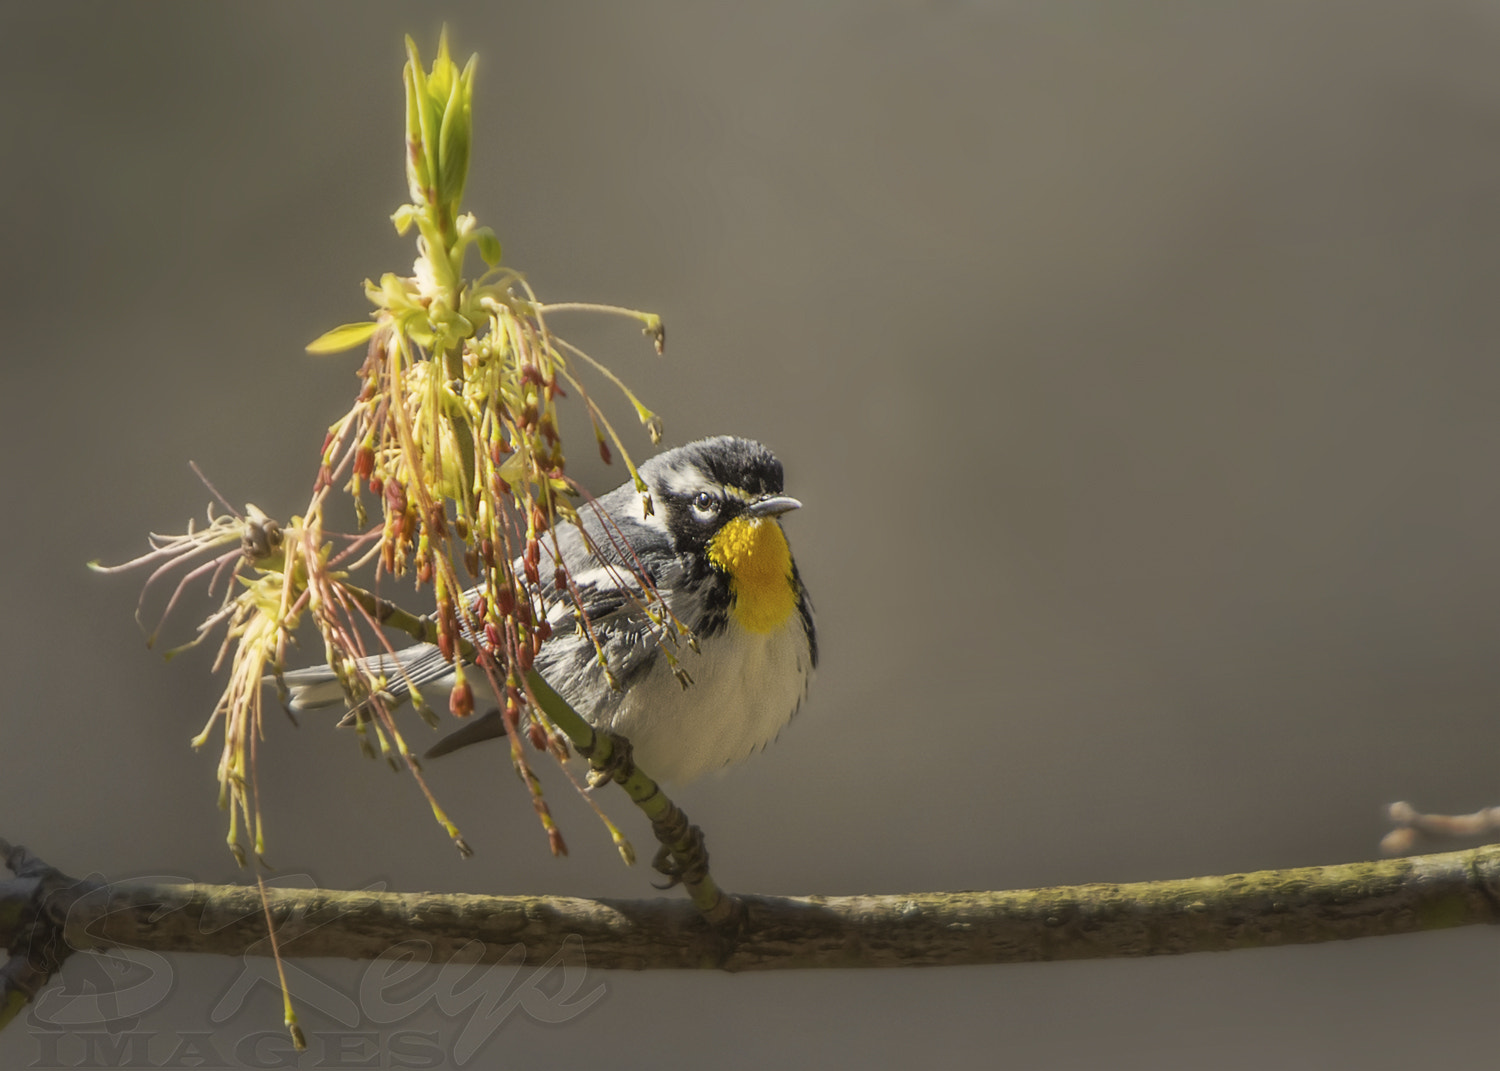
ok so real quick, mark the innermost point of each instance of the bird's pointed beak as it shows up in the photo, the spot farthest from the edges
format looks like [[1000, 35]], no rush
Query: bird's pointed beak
[[774, 506]]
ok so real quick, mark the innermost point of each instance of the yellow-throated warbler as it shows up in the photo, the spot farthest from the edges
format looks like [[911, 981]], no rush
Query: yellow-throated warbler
[[713, 550]]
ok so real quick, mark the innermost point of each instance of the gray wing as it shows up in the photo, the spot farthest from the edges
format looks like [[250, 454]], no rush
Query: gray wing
[[602, 568]]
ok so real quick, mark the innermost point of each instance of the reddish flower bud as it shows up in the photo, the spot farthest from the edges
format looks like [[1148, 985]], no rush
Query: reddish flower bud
[[395, 498], [537, 735], [461, 700], [604, 452]]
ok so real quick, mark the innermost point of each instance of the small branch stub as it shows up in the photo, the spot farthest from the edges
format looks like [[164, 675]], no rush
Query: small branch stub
[[1413, 827]]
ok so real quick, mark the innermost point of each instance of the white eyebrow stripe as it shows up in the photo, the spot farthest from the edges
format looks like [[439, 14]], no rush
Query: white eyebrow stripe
[[688, 482]]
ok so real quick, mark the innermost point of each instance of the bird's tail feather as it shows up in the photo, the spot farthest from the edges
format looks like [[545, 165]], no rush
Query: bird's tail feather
[[311, 688], [485, 727]]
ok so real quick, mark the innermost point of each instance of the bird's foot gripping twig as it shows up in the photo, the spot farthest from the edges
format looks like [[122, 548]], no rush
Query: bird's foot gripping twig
[[617, 764], [683, 855]]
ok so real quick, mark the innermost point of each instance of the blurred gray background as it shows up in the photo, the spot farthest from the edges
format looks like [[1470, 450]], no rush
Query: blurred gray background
[[1135, 363]]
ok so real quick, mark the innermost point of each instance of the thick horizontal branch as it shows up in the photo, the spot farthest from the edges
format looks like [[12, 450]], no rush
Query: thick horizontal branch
[[1274, 907]]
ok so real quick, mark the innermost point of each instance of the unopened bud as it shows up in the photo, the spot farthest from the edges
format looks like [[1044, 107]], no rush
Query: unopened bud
[[395, 498]]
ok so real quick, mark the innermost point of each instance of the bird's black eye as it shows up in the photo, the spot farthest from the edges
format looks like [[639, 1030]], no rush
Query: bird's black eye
[[705, 505]]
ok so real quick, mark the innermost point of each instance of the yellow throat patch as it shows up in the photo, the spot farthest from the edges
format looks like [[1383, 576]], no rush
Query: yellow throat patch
[[753, 551]]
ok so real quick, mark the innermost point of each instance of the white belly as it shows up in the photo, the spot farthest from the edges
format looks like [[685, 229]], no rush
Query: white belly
[[746, 687]]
